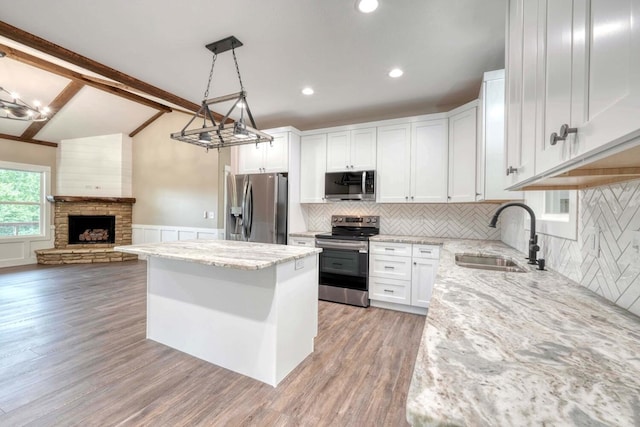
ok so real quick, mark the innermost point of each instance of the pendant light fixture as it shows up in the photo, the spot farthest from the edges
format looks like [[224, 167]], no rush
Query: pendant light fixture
[[14, 108], [223, 133]]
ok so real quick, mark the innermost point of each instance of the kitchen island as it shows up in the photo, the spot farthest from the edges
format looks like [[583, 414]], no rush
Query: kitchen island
[[529, 348], [248, 307]]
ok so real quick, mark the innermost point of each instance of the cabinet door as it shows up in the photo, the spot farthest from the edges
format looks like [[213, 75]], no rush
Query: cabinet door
[[363, 149], [313, 150], [276, 157], [607, 62], [423, 275], [429, 161], [513, 110], [557, 84], [394, 162], [338, 151], [462, 156], [251, 158]]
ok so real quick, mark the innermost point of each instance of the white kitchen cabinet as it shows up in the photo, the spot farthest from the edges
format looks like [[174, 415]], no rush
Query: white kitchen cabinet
[[524, 76], [393, 181], [490, 170], [309, 242], [412, 162], [313, 158], [265, 157], [573, 63], [429, 161], [462, 153], [402, 275], [423, 274], [351, 150]]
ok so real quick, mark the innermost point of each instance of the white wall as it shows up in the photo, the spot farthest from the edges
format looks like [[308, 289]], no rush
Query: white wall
[[95, 166], [615, 272]]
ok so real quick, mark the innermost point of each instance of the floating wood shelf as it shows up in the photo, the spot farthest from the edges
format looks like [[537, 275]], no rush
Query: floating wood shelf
[[90, 199]]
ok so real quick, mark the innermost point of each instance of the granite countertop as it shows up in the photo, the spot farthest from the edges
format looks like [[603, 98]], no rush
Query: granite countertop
[[532, 348], [418, 240], [223, 253], [306, 233]]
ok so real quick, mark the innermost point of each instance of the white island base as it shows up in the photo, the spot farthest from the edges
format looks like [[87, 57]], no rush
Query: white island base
[[259, 323]]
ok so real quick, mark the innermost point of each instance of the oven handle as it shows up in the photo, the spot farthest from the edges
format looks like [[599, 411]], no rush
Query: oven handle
[[364, 183], [326, 244]]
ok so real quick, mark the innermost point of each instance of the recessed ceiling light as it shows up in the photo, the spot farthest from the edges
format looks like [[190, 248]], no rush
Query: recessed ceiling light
[[367, 6], [395, 73], [307, 91]]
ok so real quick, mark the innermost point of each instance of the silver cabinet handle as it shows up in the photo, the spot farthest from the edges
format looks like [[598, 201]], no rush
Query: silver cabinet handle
[[406, 197], [389, 267], [351, 166], [389, 249], [424, 251], [415, 263], [565, 130], [511, 170], [389, 290], [411, 197]]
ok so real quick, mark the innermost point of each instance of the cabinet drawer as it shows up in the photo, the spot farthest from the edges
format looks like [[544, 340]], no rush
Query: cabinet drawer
[[391, 290], [392, 267], [302, 241], [426, 251], [397, 249]]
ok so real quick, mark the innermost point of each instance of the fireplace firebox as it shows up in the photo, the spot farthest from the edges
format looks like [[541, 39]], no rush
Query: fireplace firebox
[[91, 229]]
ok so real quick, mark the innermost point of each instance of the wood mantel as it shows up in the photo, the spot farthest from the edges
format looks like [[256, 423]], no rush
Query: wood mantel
[[90, 199]]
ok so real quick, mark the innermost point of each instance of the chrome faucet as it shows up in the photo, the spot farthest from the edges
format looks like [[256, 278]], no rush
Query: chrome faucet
[[533, 237]]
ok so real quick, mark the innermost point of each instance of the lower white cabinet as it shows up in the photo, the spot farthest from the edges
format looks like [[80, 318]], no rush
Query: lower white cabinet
[[401, 275], [309, 242]]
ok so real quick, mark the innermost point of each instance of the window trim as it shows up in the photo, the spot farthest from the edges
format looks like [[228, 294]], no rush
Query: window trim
[[551, 224], [45, 206]]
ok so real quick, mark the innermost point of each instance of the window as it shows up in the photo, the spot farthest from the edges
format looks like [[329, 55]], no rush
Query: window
[[556, 212], [22, 200]]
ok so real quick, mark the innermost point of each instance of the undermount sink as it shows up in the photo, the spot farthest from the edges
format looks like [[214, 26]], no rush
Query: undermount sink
[[488, 262]]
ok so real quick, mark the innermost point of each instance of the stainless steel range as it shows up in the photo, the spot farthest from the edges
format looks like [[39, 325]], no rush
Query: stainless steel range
[[344, 261]]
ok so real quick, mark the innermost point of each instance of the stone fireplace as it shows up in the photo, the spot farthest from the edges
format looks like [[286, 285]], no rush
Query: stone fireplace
[[87, 229]]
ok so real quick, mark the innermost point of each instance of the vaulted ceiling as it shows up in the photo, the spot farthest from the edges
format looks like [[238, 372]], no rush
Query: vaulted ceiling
[[443, 46]]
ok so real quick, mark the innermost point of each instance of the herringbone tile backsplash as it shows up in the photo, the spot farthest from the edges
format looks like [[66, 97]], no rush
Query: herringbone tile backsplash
[[613, 212], [465, 221]]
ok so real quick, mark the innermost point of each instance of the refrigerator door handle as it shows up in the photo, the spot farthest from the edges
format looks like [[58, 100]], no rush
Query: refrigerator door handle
[[249, 218], [243, 215]]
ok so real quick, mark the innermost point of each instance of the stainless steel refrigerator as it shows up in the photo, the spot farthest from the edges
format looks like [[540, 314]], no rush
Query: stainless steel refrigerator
[[257, 208]]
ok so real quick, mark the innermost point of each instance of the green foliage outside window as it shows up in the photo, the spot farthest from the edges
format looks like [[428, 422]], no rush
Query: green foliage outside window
[[20, 193]]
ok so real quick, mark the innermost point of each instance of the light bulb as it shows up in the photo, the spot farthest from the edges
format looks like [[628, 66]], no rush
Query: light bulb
[[367, 6]]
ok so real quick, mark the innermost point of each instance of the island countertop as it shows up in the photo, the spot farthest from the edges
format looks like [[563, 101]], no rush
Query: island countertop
[[530, 348], [223, 253]]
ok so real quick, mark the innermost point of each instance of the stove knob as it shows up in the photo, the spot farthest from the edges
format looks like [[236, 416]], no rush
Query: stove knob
[[374, 220], [339, 219], [368, 219]]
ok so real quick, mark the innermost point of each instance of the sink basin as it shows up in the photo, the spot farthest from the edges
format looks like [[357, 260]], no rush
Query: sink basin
[[488, 262]]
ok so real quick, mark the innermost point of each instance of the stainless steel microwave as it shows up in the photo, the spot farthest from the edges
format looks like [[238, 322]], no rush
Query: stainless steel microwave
[[354, 185]]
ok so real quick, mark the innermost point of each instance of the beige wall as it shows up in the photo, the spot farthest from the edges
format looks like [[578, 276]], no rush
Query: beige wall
[[173, 182], [21, 152]]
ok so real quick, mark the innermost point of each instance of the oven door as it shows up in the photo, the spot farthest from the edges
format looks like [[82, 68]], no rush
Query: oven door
[[344, 264]]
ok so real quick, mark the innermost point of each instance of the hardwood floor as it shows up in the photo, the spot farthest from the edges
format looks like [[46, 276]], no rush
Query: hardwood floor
[[73, 352]]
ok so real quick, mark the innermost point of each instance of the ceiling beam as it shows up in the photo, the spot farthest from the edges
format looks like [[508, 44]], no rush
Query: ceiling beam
[[60, 101], [59, 52], [145, 124], [29, 141], [65, 72]]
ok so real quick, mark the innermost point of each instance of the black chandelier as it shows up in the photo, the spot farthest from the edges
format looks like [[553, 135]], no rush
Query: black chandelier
[[225, 133], [14, 108]]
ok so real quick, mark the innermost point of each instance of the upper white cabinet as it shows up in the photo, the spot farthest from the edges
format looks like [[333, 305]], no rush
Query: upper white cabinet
[[265, 157], [351, 150], [491, 167], [429, 161], [462, 153], [313, 157], [412, 162], [573, 82], [393, 180]]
